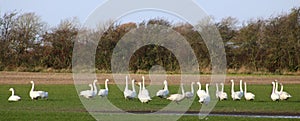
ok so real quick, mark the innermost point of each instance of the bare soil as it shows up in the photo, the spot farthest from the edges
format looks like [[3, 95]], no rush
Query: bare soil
[[67, 78]]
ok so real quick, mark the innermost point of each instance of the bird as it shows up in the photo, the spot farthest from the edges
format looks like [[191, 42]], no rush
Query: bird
[[190, 94], [164, 92], [143, 97], [13, 97], [205, 99], [37, 94], [283, 95], [223, 95], [129, 94], [88, 93], [177, 97], [248, 95], [241, 88], [200, 92], [104, 92], [274, 96], [235, 95]]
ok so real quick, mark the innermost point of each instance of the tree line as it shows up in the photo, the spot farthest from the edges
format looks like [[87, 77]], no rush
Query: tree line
[[259, 45]]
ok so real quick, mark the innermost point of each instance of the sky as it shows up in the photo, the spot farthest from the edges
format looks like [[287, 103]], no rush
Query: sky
[[53, 11]]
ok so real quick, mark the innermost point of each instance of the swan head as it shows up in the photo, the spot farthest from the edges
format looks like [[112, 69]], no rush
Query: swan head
[[139, 83], [11, 89], [31, 82], [231, 80], [106, 80], [95, 80], [132, 80], [273, 82], [165, 82], [90, 85], [198, 83]]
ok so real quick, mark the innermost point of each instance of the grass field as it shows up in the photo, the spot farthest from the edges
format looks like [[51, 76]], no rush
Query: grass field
[[64, 104]]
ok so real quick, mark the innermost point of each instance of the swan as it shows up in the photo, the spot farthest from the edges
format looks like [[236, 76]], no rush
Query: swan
[[205, 99], [37, 94], [223, 95], [177, 97], [164, 92], [143, 97], [274, 95], [282, 94], [13, 97], [200, 92], [144, 90], [104, 92], [235, 95], [190, 94], [248, 95], [129, 94], [88, 93], [95, 88]]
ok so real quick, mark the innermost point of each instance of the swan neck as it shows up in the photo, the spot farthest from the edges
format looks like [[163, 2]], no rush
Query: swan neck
[[106, 85], [32, 87], [12, 92], [143, 83], [199, 84], [133, 88], [273, 90], [95, 88], [245, 88], [192, 88], [217, 87], [281, 89], [126, 83], [232, 87], [241, 84], [166, 86], [207, 92], [222, 88], [182, 90], [276, 86], [91, 87]]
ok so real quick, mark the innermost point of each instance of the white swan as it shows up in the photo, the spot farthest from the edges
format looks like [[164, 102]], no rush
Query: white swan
[[95, 91], [223, 95], [129, 94], [164, 92], [205, 99], [274, 95], [190, 94], [104, 92], [235, 95], [143, 97], [282, 94], [177, 97], [13, 97], [200, 92], [88, 93], [144, 90], [276, 87], [37, 94], [248, 95]]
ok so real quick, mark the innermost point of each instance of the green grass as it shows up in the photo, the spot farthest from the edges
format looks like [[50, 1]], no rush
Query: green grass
[[64, 104]]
